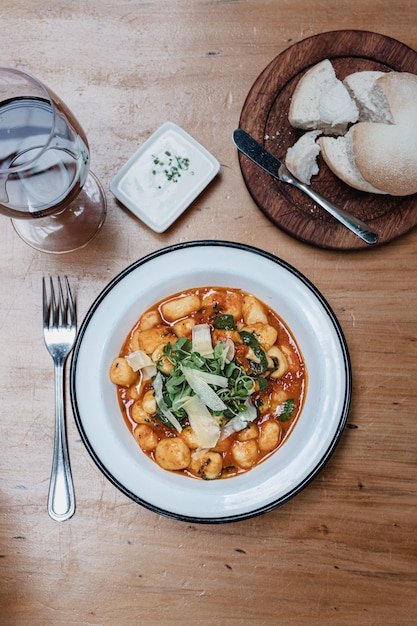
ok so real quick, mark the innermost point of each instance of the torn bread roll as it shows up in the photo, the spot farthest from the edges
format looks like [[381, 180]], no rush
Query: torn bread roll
[[370, 99], [322, 102], [338, 154], [301, 158], [380, 157]]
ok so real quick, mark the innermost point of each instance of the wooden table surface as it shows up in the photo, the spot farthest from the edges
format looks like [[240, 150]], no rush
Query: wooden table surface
[[344, 551]]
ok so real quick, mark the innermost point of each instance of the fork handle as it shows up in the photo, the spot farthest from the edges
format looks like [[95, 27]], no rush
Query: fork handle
[[61, 498]]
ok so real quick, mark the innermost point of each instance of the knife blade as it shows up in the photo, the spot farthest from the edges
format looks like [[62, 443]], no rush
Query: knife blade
[[274, 167], [256, 152]]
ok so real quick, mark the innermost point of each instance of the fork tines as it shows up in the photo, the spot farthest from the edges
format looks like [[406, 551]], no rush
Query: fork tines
[[61, 310]]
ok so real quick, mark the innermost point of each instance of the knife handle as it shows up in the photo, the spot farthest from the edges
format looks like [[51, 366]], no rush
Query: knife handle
[[351, 222]]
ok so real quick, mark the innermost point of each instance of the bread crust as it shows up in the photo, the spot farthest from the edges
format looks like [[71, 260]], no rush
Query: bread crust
[[386, 154], [337, 153]]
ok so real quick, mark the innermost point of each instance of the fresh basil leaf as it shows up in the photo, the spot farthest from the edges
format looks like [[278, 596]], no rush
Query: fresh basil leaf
[[225, 322], [250, 340], [287, 410], [262, 382]]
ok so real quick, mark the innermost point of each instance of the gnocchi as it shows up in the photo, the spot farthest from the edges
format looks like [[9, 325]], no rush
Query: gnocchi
[[178, 308], [146, 437], [207, 464], [245, 453], [172, 454], [151, 339], [122, 374], [227, 385]]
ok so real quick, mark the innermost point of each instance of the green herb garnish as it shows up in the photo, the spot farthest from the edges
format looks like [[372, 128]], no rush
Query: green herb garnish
[[170, 165], [225, 322], [240, 386], [250, 340], [262, 382], [287, 410]]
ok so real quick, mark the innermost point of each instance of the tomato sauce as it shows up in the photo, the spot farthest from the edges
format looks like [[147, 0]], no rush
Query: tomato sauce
[[279, 390]]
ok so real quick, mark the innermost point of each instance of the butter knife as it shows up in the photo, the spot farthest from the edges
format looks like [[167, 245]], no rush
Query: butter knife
[[257, 153]]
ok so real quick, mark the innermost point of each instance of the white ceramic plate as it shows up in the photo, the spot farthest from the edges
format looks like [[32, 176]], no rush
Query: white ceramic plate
[[164, 176], [318, 335]]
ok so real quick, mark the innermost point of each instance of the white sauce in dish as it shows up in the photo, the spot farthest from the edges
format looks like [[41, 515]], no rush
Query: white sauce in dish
[[164, 176]]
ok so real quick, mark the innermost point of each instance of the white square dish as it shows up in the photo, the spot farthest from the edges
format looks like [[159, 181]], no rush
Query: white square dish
[[164, 176]]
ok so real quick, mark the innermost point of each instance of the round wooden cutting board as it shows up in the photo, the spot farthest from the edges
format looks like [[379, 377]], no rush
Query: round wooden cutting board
[[265, 117]]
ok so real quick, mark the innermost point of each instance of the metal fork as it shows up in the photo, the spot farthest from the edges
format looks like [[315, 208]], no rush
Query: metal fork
[[59, 331]]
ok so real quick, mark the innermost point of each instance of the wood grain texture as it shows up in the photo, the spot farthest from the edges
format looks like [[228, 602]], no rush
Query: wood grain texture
[[344, 551]]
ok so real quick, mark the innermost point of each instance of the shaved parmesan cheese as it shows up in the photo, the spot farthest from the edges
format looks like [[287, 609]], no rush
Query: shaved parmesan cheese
[[240, 421], [139, 360], [204, 425], [157, 386], [228, 351], [201, 340], [211, 379], [197, 381]]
